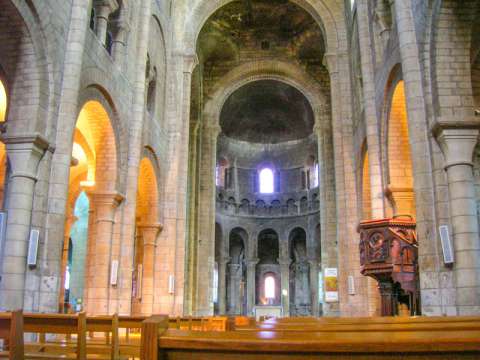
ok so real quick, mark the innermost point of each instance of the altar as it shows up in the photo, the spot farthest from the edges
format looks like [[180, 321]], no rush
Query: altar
[[267, 310]]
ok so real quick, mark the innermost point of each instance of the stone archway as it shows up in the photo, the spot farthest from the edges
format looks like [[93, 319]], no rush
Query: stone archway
[[93, 171], [147, 230]]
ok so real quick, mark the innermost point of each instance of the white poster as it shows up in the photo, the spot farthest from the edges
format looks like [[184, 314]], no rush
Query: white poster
[[320, 287], [331, 285]]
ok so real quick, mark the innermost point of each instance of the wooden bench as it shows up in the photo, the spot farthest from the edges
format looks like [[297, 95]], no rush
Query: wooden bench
[[64, 324], [449, 342], [105, 347], [11, 332], [364, 324]]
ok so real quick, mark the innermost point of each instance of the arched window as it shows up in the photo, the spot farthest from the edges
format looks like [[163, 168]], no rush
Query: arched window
[[3, 102], [266, 181], [92, 19], [222, 174], [269, 287], [315, 175]]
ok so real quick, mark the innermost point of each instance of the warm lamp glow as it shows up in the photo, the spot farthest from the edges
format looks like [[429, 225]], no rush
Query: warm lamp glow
[[3, 102], [79, 154]]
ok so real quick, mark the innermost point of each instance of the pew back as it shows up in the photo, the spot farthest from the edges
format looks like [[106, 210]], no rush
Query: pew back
[[11, 332], [403, 340]]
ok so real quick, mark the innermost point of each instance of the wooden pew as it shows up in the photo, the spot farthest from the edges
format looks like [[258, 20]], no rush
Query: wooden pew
[[11, 332], [64, 324], [364, 324], [446, 343]]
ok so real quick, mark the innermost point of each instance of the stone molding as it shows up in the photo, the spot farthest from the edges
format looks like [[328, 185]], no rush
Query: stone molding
[[457, 140]]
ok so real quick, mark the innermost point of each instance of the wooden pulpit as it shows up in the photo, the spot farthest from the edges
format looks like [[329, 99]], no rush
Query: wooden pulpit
[[389, 254]]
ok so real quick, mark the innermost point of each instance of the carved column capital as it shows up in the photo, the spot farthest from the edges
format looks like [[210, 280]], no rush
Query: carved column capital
[[25, 153], [285, 261], [188, 61], [457, 140], [105, 204], [150, 233], [105, 7], [252, 262], [212, 130]]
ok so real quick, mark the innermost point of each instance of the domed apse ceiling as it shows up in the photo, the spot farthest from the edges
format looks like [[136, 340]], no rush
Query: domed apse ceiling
[[268, 26], [267, 111]]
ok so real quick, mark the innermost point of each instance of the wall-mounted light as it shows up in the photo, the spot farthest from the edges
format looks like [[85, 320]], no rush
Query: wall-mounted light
[[171, 284]]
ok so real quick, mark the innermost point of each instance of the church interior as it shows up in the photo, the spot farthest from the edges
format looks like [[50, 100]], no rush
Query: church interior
[[211, 171]]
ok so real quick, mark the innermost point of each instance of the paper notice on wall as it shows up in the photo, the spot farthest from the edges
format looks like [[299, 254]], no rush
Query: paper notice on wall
[[320, 287], [331, 285]]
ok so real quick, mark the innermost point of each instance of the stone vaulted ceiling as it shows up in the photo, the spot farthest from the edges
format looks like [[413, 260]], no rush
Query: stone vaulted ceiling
[[267, 111]]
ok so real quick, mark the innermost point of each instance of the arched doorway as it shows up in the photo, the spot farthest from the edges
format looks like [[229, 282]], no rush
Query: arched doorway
[[236, 272], [400, 174], [92, 181], [300, 294], [268, 266], [147, 230]]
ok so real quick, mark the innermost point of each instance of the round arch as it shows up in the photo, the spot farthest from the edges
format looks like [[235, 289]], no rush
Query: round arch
[[31, 116], [264, 70], [330, 19], [147, 193]]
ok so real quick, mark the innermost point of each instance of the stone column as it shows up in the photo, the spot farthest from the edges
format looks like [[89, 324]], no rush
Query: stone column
[[59, 169], [24, 154], [371, 119], [251, 284], [457, 142], [174, 206], [149, 234], [103, 9], [234, 286], [206, 222], [135, 150], [285, 284], [120, 39], [314, 286], [66, 245], [222, 291], [90, 247], [98, 295]]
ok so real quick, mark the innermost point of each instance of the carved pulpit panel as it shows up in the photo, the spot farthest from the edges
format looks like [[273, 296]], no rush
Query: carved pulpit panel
[[389, 254]]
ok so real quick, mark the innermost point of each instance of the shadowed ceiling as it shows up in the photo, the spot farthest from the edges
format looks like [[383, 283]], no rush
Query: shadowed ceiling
[[260, 25], [268, 112]]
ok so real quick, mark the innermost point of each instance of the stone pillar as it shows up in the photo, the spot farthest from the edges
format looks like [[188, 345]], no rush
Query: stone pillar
[[90, 247], [222, 291], [234, 287], [403, 200], [120, 39], [457, 142], [285, 284], [251, 284], [149, 235], [103, 9], [206, 215], [66, 245], [371, 119], [105, 204], [135, 150], [24, 154], [314, 286]]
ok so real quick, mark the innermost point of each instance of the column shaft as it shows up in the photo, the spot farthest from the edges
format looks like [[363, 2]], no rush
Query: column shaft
[[24, 155], [251, 285], [105, 205], [222, 291]]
